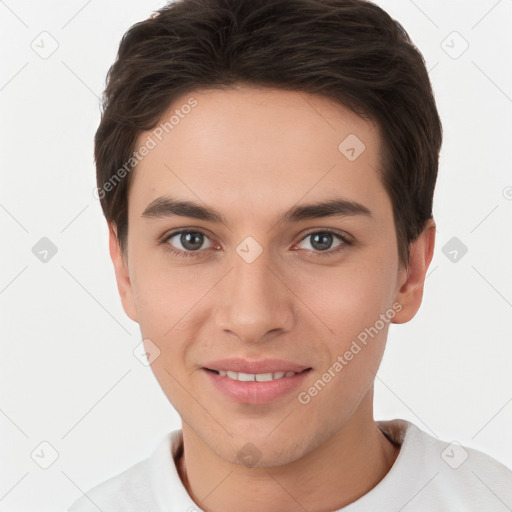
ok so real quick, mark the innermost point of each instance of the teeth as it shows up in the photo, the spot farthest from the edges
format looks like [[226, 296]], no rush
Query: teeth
[[246, 377], [254, 377]]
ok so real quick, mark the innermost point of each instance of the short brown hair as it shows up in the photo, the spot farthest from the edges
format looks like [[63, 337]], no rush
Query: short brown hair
[[350, 51]]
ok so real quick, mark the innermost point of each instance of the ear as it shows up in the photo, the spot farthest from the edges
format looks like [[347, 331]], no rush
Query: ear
[[124, 284], [412, 277]]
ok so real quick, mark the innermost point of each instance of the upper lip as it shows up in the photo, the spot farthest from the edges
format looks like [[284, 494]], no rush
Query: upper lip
[[255, 366]]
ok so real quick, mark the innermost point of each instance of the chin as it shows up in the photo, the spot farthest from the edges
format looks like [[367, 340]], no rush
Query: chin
[[266, 451]]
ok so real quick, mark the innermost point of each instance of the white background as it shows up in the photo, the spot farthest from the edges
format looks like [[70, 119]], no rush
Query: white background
[[67, 370]]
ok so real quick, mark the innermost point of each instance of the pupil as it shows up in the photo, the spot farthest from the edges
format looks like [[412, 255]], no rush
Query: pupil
[[191, 241], [324, 243]]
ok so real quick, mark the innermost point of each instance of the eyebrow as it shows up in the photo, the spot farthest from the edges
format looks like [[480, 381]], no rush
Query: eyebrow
[[166, 206]]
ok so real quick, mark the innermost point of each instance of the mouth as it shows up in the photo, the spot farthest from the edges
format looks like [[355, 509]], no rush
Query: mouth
[[255, 388], [255, 377]]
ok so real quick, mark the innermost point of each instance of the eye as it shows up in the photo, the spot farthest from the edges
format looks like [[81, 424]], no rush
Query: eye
[[321, 242], [186, 243], [191, 242]]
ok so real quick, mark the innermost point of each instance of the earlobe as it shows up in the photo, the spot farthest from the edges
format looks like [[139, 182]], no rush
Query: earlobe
[[124, 284], [411, 279]]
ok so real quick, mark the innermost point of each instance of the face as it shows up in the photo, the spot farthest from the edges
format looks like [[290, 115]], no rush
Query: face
[[254, 284]]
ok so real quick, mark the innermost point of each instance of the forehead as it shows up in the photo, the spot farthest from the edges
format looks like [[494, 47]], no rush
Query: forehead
[[251, 148]]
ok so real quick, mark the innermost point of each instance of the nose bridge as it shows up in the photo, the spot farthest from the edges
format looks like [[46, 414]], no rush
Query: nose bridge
[[254, 299]]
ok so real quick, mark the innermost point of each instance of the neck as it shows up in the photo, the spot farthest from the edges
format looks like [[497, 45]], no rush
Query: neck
[[347, 466]]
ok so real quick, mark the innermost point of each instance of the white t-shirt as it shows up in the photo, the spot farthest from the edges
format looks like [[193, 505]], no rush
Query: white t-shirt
[[428, 476]]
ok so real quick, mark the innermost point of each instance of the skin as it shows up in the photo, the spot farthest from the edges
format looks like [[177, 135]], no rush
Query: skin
[[252, 153]]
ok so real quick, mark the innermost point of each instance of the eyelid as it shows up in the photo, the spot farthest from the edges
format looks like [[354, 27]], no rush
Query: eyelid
[[342, 234], [179, 231]]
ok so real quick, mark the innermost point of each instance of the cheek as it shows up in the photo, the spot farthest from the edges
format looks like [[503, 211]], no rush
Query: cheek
[[162, 293], [347, 298], [170, 305], [350, 301]]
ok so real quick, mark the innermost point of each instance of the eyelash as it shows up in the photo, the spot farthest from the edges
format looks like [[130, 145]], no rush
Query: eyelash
[[186, 254]]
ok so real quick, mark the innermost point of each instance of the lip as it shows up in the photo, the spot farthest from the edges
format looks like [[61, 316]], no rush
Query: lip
[[257, 393], [255, 366]]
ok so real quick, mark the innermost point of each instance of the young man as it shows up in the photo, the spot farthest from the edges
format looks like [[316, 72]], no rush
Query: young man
[[267, 169]]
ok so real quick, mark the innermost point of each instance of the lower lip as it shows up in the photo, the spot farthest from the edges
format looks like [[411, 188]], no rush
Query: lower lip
[[256, 392]]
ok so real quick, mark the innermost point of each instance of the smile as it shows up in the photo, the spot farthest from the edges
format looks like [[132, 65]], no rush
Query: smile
[[255, 388], [253, 377]]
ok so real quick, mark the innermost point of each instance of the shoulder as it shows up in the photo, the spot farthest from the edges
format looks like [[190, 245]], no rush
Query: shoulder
[[130, 490], [448, 474], [118, 493]]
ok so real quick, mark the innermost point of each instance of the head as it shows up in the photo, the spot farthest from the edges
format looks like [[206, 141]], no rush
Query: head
[[306, 134]]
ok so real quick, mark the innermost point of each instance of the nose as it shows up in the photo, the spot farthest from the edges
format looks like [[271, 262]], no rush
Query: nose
[[256, 302]]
